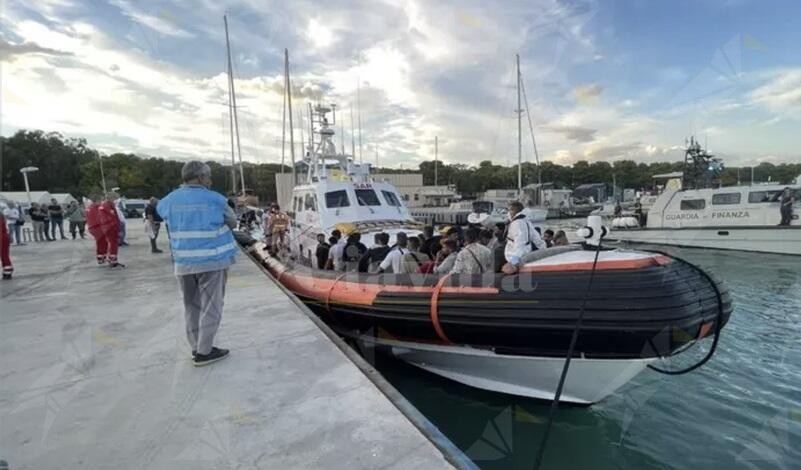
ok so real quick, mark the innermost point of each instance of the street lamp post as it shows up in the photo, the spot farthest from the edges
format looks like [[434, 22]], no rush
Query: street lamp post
[[102, 174], [25, 171]]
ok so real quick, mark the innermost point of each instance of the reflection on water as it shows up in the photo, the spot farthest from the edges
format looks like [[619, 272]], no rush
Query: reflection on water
[[741, 410]]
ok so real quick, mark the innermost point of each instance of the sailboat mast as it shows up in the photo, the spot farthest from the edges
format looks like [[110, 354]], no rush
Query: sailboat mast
[[359, 111], [436, 157], [230, 110], [283, 125], [352, 135], [288, 87], [232, 92], [519, 133]]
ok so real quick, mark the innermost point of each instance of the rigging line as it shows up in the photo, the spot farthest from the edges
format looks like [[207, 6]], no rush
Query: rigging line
[[568, 357], [530, 126]]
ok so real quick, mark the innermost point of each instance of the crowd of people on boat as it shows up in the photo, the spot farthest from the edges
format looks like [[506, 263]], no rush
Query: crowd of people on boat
[[451, 250]]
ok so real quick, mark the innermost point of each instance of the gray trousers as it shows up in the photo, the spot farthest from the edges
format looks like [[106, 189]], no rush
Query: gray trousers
[[203, 305]]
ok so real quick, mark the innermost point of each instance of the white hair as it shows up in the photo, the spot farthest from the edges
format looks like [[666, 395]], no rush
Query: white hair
[[194, 169]]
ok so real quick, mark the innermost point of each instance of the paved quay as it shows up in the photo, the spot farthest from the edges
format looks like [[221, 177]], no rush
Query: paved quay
[[96, 373]]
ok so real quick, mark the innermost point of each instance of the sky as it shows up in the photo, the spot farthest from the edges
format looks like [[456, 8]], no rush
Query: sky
[[604, 80]]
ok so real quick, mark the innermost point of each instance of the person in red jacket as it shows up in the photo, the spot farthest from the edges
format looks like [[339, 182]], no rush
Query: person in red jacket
[[5, 247], [103, 225]]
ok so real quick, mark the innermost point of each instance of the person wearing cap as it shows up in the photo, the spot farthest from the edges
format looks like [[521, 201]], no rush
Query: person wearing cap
[[200, 221], [521, 238]]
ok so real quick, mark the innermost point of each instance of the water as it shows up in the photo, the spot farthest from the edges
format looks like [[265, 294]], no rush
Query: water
[[741, 410]]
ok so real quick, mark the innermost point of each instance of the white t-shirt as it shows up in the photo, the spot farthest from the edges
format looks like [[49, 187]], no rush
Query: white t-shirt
[[394, 259], [335, 255]]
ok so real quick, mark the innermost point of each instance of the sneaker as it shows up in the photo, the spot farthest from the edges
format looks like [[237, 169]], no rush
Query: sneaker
[[6, 276], [116, 265], [215, 355], [156, 251]]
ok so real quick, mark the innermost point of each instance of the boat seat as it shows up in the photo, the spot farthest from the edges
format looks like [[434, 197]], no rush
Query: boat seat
[[548, 252]]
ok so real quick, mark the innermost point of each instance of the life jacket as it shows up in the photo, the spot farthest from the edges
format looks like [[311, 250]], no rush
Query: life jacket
[[198, 234]]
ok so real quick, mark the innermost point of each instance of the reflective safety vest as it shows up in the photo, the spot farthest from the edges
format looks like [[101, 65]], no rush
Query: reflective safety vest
[[197, 230]]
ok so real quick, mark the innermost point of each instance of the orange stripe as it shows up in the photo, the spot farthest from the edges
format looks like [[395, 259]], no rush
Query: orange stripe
[[602, 265], [354, 292]]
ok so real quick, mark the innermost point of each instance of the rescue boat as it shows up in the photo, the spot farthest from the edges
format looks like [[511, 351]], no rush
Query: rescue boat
[[505, 333]]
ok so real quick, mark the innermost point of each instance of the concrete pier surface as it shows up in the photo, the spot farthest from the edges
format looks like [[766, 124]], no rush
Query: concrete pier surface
[[95, 372]]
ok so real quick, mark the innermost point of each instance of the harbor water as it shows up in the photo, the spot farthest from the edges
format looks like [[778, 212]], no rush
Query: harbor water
[[740, 410]]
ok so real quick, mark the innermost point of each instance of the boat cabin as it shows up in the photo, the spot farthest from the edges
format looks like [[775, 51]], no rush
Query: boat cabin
[[756, 205]]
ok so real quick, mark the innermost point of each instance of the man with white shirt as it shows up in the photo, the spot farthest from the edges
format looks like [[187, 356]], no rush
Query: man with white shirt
[[395, 256], [521, 238], [335, 254]]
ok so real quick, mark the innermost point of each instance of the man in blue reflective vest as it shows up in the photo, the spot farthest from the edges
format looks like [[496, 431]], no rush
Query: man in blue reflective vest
[[199, 223]]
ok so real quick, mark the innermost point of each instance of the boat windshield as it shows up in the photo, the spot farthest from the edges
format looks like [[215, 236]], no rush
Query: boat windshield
[[367, 197], [336, 199], [482, 206], [391, 198]]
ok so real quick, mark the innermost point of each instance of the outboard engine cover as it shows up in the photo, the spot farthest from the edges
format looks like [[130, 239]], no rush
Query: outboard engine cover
[[594, 231]]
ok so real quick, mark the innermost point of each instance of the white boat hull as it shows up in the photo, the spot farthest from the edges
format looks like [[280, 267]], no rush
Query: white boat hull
[[766, 239], [588, 380]]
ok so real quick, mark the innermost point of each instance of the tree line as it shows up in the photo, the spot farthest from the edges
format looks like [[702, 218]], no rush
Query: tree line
[[69, 165]]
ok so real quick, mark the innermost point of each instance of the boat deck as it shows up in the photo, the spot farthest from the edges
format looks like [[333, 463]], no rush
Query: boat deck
[[96, 373]]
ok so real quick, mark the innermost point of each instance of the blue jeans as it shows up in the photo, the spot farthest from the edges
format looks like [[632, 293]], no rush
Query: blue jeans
[[122, 234], [15, 232], [56, 222]]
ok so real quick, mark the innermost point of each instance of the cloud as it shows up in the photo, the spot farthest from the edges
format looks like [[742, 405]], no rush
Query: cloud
[[588, 94], [8, 51], [425, 69], [575, 133], [781, 94], [162, 22], [620, 151]]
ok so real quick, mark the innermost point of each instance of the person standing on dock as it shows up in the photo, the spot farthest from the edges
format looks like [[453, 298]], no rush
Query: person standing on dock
[[103, 225], [787, 200], [521, 238], [56, 219], [77, 219], [153, 220], [5, 248], [200, 221], [15, 218]]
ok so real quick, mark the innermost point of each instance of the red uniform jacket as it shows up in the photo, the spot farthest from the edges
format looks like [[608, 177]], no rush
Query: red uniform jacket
[[101, 217]]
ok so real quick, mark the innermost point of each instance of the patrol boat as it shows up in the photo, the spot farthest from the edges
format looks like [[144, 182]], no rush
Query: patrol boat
[[695, 211], [505, 333]]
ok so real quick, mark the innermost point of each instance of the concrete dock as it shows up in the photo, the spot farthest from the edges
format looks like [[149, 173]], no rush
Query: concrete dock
[[96, 373]]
